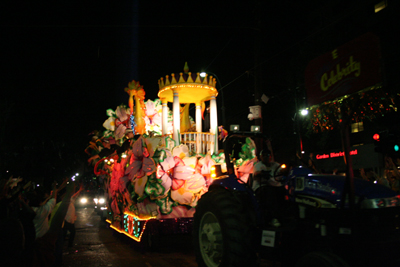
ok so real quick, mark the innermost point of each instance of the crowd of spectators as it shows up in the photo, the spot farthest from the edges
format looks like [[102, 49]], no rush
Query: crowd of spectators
[[27, 237], [390, 176]]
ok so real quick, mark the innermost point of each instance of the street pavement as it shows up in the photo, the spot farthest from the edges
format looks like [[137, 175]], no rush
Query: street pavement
[[97, 245]]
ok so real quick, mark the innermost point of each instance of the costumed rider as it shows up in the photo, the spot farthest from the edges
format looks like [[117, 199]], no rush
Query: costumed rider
[[267, 187]]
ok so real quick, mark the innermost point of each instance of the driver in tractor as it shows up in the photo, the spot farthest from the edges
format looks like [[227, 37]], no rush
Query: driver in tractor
[[268, 189]]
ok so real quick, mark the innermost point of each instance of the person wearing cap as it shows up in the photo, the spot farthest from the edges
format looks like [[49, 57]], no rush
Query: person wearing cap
[[266, 187]]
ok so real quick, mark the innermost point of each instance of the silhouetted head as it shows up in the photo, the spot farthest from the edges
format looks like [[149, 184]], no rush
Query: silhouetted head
[[265, 155]]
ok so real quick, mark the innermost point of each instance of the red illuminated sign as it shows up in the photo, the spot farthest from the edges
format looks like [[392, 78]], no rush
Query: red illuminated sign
[[335, 154], [347, 69]]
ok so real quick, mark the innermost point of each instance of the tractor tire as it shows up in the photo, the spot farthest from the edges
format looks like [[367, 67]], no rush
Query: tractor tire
[[321, 259], [223, 230]]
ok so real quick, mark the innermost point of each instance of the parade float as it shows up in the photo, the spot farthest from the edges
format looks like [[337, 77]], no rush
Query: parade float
[[155, 163]]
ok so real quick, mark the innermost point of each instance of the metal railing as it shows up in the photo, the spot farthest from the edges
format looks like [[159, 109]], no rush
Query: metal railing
[[199, 143]]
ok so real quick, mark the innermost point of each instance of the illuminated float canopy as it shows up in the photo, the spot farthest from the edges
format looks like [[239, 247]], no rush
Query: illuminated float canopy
[[188, 88]]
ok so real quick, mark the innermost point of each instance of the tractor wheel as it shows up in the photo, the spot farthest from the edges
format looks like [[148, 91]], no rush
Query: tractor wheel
[[223, 231], [321, 259]]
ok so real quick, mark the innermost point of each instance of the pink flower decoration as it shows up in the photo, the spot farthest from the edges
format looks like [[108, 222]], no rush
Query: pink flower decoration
[[204, 167], [195, 183], [189, 188], [140, 164], [176, 184], [183, 172], [207, 162], [181, 175], [164, 169], [152, 116], [120, 131]]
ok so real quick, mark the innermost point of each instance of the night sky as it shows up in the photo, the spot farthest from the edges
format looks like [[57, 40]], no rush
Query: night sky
[[64, 64]]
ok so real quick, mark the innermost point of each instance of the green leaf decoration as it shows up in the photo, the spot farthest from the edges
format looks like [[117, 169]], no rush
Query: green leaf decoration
[[111, 113], [166, 204], [158, 156], [247, 152], [153, 188], [169, 143], [218, 158]]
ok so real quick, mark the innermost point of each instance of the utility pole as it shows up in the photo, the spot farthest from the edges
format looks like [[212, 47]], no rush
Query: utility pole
[[257, 73]]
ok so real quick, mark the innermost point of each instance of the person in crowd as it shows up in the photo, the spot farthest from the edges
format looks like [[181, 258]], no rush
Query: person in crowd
[[308, 162], [6, 197], [42, 206], [70, 218], [269, 191], [371, 176], [311, 163], [392, 173], [364, 175], [383, 181], [26, 215], [45, 246], [60, 241], [58, 200], [13, 241], [16, 214]]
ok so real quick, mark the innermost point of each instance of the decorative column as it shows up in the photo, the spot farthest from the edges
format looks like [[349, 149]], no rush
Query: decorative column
[[164, 117], [214, 121], [177, 118], [198, 118]]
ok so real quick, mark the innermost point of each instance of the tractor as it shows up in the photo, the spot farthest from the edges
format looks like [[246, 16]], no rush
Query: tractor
[[323, 223]]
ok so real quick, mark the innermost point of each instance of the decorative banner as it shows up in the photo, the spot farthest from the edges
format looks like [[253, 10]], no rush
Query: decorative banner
[[347, 69]]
